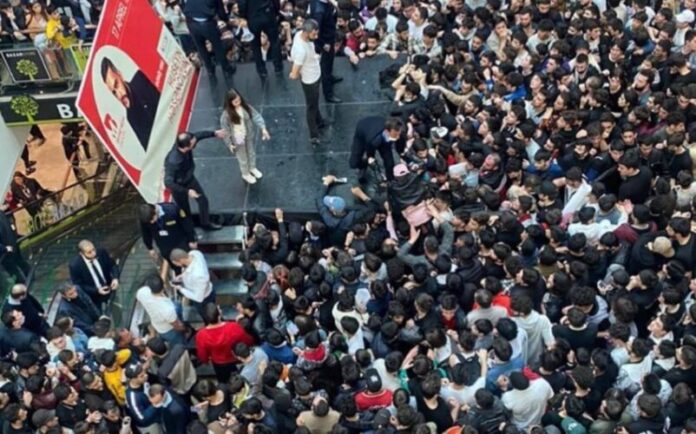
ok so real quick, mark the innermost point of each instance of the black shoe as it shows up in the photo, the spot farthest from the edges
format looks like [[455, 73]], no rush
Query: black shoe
[[32, 163], [314, 141], [333, 100], [336, 79], [212, 227], [29, 170]]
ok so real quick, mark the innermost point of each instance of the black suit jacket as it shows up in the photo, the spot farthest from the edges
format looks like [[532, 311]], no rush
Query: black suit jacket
[[36, 192], [80, 275], [369, 138], [8, 237], [144, 99]]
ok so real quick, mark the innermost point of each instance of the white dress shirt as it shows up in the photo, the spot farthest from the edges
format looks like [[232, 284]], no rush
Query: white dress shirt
[[196, 284]]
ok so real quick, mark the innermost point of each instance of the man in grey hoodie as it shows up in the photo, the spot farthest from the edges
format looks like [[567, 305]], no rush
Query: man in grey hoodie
[[536, 325]]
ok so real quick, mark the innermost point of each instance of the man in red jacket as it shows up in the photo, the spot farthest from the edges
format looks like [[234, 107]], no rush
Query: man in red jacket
[[374, 397], [214, 342]]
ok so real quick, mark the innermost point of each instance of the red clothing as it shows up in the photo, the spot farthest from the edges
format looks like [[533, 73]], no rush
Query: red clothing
[[365, 401], [216, 344], [502, 300]]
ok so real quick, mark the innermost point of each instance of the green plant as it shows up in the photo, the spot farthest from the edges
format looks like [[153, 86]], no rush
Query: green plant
[[26, 106], [27, 67]]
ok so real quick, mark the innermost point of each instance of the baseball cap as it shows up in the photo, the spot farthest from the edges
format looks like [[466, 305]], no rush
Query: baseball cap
[[335, 203], [662, 246], [400, 170], [133, 370], [685, 17], [42, 416]]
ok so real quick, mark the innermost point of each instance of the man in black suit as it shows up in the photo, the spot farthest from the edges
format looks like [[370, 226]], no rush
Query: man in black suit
[[95, 272], [262, 16], [15, 336], [76, 304], [34, 316], [139, 96], [202, 18], [28, 192], [179, 176], [324, 13], [11, 258], [377, 134]]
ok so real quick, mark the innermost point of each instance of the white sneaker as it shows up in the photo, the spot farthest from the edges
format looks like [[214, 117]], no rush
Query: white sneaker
[[257, 173], [249, 179]]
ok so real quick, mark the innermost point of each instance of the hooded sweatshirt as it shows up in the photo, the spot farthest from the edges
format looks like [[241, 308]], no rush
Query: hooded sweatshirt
[[539, 334]]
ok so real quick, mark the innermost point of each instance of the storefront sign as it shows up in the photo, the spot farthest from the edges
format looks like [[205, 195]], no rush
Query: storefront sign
[[28, 109], [137, 91], [25, 65]]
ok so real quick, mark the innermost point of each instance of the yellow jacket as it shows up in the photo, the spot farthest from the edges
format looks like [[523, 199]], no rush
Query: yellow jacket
[[113, 379]]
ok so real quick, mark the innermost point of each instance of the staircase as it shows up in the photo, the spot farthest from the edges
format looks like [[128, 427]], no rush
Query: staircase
[[222, 250]]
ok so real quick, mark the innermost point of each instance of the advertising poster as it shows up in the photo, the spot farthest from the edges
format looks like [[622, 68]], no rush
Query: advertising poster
[[25, 65], [137, 91]]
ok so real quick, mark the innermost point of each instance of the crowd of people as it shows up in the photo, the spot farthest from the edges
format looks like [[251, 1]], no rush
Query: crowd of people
[[518, 254]]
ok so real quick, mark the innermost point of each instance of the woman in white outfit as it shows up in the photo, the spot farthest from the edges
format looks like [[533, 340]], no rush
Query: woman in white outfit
[[240, 121]]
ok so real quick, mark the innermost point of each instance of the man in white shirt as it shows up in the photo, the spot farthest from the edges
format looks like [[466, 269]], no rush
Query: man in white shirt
[[526, 399], [306, 66], [194, 280], [161, 310]]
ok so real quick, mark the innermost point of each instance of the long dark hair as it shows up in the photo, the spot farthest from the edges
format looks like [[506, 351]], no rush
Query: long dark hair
[[231, 112]]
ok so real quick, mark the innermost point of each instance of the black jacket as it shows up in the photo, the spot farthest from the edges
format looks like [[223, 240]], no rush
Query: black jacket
[[179, 167], [8, 237], [32, 310], [82, 310], [81, 276], [323, 13], [28, 194], [369, 138], [208, 9], [144, 99], [173, 229]]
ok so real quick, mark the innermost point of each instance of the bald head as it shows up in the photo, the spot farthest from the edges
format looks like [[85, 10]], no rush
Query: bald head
[[87, 249], [19, 291]]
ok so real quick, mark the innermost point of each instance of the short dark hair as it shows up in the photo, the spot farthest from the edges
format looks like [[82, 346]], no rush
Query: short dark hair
[[106, 65]]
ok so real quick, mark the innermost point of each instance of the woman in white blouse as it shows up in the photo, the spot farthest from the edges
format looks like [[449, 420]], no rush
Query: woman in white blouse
[[240, 121]]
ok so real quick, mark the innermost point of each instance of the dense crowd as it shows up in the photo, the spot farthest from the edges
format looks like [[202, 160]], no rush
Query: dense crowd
[[524, 264]]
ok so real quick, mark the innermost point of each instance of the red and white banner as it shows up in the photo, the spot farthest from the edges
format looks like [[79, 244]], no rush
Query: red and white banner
[[137, 91]]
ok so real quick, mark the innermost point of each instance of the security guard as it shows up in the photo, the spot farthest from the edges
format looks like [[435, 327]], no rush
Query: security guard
[[168, 226], [179, 176]]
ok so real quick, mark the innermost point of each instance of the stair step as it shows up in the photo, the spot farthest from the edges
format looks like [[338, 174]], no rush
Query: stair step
[[230, 287], [223, 261], [226, 235]]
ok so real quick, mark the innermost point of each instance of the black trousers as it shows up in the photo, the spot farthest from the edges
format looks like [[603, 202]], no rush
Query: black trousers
[[208, 31], [359, 156], [36, 132], [269, 26], [25, 156], [326, 64], [311, 94], [182, 199], [224, 372]]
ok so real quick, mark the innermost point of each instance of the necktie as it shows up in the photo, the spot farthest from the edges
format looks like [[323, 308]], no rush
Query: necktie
[[97, 272]]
